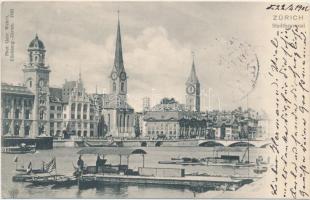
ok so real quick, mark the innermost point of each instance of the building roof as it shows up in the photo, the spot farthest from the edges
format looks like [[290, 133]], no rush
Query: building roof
[[36, 43], [167, 104], [111, 151], [15, 89], [55, 95], [193, 76], [118, 59]]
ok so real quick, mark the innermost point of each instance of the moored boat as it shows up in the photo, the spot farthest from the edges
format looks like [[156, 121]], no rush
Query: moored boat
[[22, 149]]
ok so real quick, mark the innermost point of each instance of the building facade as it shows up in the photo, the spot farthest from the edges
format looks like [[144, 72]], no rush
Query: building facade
[[172, 120], [33, 108]]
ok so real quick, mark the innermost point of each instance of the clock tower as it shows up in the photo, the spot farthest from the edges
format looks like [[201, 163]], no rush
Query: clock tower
[[193, 91], [36, 77], [118, 114], [118, 76]]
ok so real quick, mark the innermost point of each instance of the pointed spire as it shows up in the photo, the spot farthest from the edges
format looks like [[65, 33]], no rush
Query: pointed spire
[[118, 59], [193, 77], [80, 75]]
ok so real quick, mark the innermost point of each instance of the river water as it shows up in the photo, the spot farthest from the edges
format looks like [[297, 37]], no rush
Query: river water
[[65, 157]]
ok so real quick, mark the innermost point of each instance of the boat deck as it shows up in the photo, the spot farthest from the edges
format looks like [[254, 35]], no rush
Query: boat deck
[[191, 181]]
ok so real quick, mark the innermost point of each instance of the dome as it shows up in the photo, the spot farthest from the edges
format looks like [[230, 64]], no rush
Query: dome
[[36, 43]]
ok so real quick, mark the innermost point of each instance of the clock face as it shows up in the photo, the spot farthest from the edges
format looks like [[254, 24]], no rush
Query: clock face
[[123, 76], [41, 83], [190, 89], [114, 75]]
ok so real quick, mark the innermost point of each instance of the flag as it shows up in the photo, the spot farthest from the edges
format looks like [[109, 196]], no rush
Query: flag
[[51, 166], [15, 159]]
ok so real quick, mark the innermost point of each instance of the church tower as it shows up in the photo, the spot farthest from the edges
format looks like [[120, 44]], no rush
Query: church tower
[[193, 90], [36, 78], [117, 113], [118, 76]]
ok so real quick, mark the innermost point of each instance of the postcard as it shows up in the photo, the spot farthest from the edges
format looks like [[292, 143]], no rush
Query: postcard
[[155, 100]]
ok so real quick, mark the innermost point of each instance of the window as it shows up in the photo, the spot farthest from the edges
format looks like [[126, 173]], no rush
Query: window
[[52, 107], [73, 107], [59, 108], [79, 107], [84, 117], [91, 133], [91, 117], [114, 86], [91, 125], [30, 83], [72, 116], [51, 116], [58, 125], [52, 125], [65, 116], [41, 114], [79, 116], [65, 108], [27, 130], [85, 133], [85, 108], [58, 116], [17, 113], [6, 113], [27, 114]]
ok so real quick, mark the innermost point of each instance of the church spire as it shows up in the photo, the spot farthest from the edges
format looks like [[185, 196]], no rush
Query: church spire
[[193, 77], [118, 59]]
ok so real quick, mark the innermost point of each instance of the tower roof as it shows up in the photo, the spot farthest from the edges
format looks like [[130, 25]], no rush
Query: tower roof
[[193, 77], [118, 59], [36, 43]]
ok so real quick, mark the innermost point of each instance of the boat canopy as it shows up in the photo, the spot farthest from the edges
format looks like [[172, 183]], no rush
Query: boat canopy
[[111, 151]]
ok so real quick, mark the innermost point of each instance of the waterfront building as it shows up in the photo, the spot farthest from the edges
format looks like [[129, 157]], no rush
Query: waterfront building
[[172, 120], [17, 105], [117, 113], [34, 109]]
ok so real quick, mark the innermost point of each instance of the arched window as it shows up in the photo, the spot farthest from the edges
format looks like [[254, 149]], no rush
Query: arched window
[[85, 108], [128, 123], [73, 107], [122, 87], [114, 86], [79, 107], [120, 121]]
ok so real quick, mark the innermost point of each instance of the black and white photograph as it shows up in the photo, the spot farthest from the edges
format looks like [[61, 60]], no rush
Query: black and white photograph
[[152, 100]]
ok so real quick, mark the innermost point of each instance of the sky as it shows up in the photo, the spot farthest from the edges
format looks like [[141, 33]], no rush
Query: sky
[[158, 39]]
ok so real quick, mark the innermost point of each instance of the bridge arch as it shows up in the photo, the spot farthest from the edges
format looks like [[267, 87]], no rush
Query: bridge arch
[[144, 144], [210, 144], [241, 144], [158, 143]]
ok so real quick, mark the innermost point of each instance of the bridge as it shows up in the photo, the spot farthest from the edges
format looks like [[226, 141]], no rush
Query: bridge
[[191, 142], [163, 143]]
